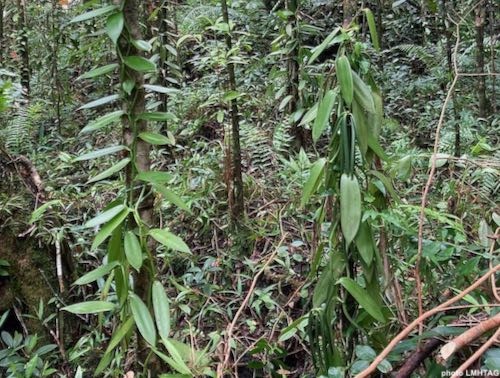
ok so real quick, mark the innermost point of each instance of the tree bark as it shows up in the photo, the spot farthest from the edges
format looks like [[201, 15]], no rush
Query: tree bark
[[481, 80], [236, 199], [23, 48], [349, 8], [1, 31]]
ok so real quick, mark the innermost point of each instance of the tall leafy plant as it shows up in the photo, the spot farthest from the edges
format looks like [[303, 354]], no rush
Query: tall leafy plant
[[127, 223], [350, 107]]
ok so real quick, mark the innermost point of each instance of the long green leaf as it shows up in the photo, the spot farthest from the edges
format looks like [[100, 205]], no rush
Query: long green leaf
[[364, 243], [157, 116], [108, 228], [363, 298], [181, 368], [38, 213], [133, 250], [154, 138], [161, 309], [313, 181], [104, 216], [90, 307], [97, 273], [372, 27], [344, 77], [114, 26], [140, 64], [176, 356], [154, 177], [172, 197], [324, 112], [120, 333], [143, 319], [350, 207], [316, 52], [103, 121], [102, 152], [169, 240], [94, 13], [362, 93], [160, 89], [110, 171], [102, 101], [99, 71]]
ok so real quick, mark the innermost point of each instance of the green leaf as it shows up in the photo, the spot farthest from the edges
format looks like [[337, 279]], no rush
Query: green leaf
[[316, 52], [102, 152], [133, 250], [92, 14], [154, 138], [97, 273], [161, 309], [350, 207], [108, 228], [313, 181], [99, 71], [104, 216], [284, 102], [110, 171], [172, 197], [176, 356], [324, 112], [363, 298], [362, 93], [102, 101], [364, 243], [38, 213], [361, 126], [140, 64], [181, 368], [160, 89], [142, 45], [120, 333], [143, 319], [169, 240], [103, 121], [344, 77], [231, 95], [365, 352], [114, 26], [90, 307], [387, 184], [384, 367], [372, 27], [154, 177], [157, 116], [310, 115]]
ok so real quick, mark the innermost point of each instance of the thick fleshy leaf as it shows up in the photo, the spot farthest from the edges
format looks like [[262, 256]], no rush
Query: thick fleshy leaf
[[154, 177], [161, 309], [161, 89], [97, 273], [133, 250], [344, 77], [99, 71], [312, 182], [324, 113], [104, 216], [361, 126], [90, 307], [110, 171], [169, 240], [157, 116], [143, 319], [98, 153], [108, 228], [120, 333], [154, 138], [172, 197], [103, 121], [364, 243], [362, 93], [102, 101], [350, 207], [372, 27], [316, 52], [310, 115], [363, 298], [140, 64], [93, 14], [114, 26]]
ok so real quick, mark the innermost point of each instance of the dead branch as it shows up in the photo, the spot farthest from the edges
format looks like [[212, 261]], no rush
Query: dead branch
[[414, 361], [468, 337], [405, 332], [478, 353]]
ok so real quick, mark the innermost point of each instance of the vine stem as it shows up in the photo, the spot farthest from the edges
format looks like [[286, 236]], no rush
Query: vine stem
[[432, 171]]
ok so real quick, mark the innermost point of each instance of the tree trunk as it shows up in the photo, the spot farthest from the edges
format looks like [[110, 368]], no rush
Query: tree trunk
[[493, 38], [1, 31], [236, 199], [349, 8], [380, 24], [481, 80], [23, 48], [134, 104]]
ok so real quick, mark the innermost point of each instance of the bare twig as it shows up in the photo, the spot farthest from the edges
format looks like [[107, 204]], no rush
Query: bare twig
[[229, 333], [414, 361], [425, 192], [478, 353], [405, 332]]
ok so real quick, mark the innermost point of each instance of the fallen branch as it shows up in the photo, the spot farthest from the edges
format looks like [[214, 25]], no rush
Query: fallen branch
[[478, 353], [469, 336], [405, 332], [414, 361]]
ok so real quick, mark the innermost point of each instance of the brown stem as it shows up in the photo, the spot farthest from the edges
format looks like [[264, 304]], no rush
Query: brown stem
[[419, 356]]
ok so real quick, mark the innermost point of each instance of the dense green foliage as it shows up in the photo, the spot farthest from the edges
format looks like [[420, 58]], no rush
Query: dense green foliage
[[245, 188]]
